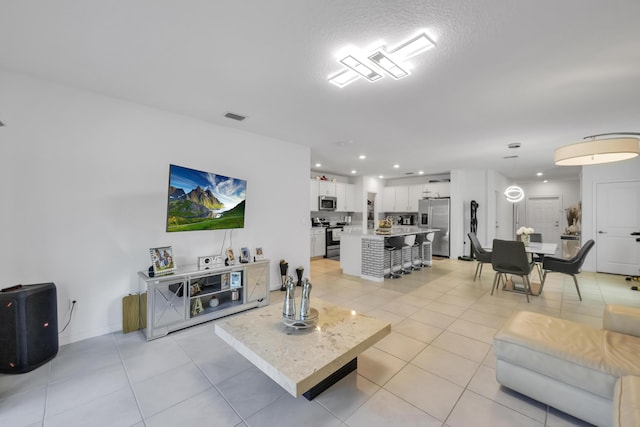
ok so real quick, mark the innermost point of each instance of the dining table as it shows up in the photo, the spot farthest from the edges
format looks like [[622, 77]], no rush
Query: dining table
[[535, 248]]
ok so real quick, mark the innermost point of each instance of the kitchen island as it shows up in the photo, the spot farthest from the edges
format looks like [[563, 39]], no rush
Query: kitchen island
[[362, 253]]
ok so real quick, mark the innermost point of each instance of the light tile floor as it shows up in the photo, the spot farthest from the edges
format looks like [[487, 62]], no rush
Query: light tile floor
[[436, 368]]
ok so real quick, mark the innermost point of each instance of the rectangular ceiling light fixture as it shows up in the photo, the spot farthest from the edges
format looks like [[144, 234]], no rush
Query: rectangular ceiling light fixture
[[413, 47], [344, 77], [383, 61], [357, 66]]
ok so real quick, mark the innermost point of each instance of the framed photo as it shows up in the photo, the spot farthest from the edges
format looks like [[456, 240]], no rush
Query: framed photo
[[259, 254], [244, 255], [224, 282], [162, 260], [236, 279], [230, 256]]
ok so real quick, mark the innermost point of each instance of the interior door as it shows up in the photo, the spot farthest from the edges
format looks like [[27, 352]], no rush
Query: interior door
[[617, 208], [543, 215]]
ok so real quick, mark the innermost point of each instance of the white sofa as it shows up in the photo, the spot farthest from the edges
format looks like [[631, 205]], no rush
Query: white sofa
[[590, 373]]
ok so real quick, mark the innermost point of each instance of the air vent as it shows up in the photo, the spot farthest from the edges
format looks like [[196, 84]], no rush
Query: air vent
[[511, 157], [514, 145], [234, 116], [409, 173]]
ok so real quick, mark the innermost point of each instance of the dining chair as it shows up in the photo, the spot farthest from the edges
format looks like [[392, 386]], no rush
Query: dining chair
[[482, 255], [570, 266], [510, 257], [537, 238]]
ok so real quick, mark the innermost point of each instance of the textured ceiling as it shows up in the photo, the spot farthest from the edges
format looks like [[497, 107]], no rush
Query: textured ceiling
[[542, 73]]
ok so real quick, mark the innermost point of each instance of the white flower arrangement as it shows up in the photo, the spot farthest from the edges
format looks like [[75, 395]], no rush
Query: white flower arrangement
[[525, 230]]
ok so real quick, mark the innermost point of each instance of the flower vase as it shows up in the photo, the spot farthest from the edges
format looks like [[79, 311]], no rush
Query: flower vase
[[526, 239]]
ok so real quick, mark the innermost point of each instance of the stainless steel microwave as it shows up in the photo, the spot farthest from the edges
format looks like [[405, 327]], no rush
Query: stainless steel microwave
[[327, 203]]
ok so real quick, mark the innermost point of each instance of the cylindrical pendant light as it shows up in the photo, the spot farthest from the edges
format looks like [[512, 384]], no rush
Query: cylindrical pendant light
[[598, 151]]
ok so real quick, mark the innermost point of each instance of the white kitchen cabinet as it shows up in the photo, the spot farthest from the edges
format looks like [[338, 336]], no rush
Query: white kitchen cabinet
[[346, 197], [318, 239], [388, 199], [437, 189], [402, 198], [354, 200], [415, 194], [326, 188], [313, 195]]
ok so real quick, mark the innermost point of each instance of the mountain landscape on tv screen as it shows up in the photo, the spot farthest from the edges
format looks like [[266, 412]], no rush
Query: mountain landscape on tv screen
[[200, 208]]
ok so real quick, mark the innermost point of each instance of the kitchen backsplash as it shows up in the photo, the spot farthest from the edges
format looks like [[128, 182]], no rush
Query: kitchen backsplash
[[356, 217]]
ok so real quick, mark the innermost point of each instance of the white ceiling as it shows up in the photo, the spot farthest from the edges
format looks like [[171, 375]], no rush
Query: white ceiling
[[542, 73]]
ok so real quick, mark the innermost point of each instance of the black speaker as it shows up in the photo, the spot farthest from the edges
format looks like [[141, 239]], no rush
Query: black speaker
[[28, 327]]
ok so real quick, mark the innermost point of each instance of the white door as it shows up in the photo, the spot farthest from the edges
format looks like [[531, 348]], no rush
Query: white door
[[617, 216], [543, 215]]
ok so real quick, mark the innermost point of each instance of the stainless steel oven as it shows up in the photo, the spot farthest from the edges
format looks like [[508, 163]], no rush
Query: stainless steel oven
[[333, 241]]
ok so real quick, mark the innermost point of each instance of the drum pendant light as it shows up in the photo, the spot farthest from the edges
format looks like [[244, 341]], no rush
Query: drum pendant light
[[596, 151]]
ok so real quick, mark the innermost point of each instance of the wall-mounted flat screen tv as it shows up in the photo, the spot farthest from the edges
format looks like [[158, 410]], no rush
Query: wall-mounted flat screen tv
[[204, 201]]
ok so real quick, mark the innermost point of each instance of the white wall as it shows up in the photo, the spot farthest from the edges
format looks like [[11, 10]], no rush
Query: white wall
[[85, 188], [591, 176], [567, 190], [467, 185]]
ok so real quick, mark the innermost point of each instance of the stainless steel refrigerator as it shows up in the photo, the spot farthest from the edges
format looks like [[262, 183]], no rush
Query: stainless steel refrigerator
[[434, 213]]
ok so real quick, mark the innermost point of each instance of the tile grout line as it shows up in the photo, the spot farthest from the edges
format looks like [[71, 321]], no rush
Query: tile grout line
[[133, 390]]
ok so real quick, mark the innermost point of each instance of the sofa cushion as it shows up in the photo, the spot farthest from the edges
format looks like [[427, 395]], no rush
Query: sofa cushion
[[585, 357], [623, 319], [626, 402]]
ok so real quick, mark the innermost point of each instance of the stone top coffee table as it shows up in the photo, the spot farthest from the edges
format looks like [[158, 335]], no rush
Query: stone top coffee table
[[303, 361]]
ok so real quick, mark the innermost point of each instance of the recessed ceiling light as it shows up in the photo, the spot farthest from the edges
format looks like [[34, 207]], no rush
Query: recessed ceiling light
[[362, 157], [353, 171], [318, 165], [539, 174], [380, 176], [421, 172], [545, 181], [396, 166]]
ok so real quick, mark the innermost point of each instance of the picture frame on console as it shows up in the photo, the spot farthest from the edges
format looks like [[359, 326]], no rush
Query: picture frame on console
[[162, 260], [244, 255], [231, 259], [259, 253]]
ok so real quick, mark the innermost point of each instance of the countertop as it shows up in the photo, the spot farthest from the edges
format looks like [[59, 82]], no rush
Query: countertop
[[400, 230]]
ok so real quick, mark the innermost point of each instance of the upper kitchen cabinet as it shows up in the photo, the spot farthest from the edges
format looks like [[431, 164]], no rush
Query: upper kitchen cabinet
[[326, 188], [313, 195], [415, 194], [437, 189], [403, 198], [347, 200]]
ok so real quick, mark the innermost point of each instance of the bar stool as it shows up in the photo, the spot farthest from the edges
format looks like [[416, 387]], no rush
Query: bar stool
[[404, 245], [392, 245], [419, 243], [410, 242], [428, 242]]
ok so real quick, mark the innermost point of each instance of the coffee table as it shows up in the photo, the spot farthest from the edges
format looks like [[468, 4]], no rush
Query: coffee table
[[303, 361]]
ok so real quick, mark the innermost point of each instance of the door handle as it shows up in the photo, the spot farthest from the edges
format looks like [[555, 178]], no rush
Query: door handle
[[602, 232]]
